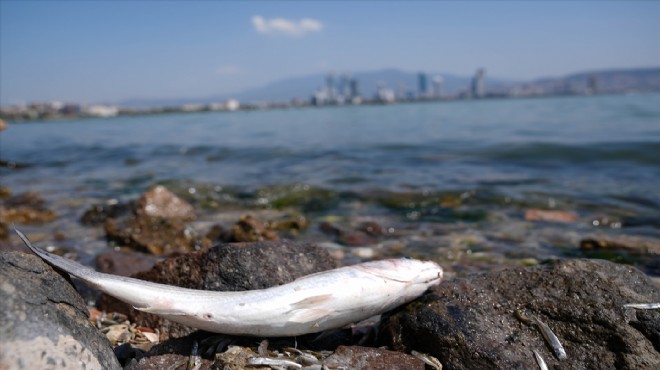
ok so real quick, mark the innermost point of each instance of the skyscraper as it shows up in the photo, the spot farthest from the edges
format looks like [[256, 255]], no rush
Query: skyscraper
[[437, 86], [422, 86], [479, 84]]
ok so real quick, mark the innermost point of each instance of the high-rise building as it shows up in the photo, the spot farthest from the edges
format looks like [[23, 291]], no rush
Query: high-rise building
[[437, 86], [345, 86], [422, 86], [355, 88], [330, 86], [479, 84]]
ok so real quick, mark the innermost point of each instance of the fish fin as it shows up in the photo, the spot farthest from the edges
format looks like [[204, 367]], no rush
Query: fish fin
[[309, 314], [312, 301], [162, 311]]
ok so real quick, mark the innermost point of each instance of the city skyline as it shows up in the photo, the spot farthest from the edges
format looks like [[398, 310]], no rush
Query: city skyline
[[106, 52]]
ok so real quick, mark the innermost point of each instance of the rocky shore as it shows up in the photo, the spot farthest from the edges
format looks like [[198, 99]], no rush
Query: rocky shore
[[505, 318]]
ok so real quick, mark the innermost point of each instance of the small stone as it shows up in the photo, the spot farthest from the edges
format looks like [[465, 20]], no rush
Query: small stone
[[540, 215]]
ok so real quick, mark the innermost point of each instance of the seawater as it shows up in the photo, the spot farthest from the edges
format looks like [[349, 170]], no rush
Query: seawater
[[592, 154], [589, 146]]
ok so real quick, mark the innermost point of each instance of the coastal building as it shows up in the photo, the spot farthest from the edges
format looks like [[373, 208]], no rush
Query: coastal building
[[385, 94], [437, 86], [355, 89], [422, 85], [478, 89], [99, 110]]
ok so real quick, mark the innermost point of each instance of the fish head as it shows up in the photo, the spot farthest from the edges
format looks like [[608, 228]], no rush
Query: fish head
[[421, 274]]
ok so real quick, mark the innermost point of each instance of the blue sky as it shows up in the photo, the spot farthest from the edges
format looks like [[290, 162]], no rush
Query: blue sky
[[109, 51]]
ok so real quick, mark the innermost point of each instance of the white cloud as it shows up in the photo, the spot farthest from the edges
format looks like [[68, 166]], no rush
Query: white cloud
[[228, 70], [286, 27]]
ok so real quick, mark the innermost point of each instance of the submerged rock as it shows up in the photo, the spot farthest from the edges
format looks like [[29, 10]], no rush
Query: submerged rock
[[470, 323], [44, 322], [226, 267], [541, 215]]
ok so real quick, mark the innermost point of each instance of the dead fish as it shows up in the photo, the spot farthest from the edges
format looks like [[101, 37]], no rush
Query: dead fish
[[643, 306], [311, 304]]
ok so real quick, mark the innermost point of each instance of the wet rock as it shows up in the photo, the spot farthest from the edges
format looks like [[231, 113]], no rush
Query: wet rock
[[299, 196], [156, 224], [97, 214], [249, 229], [540, 215], [371, 228], [289, 224], [626, 242], [44, 321], [469, 323], [25, 208], [124, 263], [4, 231], [331, 229], [162, 203], [156, 235], [357, 358], [226, 267], [358, 238]]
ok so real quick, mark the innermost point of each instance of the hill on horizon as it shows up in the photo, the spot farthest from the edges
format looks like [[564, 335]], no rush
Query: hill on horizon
[[302, 87]]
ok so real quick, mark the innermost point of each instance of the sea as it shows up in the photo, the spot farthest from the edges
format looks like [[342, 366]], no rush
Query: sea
[[442, 172]]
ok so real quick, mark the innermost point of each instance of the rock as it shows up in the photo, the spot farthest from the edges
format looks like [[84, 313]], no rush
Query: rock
[[124, 263], [156, 235], [25, 208], [160, 202], [156, 225], [469, 323], [358, 238], [44, 321], [357, 358], [226, 267], [249, 229], [638, 244], [98, 213], [372, 228], [331, 229], [540, 215]]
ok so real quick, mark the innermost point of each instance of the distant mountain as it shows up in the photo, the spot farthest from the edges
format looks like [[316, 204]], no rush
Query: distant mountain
[[607, 81], [302, 87], [368, 81]]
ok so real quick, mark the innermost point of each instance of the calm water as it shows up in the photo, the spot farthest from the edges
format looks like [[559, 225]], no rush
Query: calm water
[[585, 152], [584, 146]]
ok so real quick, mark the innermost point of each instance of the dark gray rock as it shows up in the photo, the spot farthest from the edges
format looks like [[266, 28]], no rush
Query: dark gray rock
[[43, 320], [469, 323], [226, 267]]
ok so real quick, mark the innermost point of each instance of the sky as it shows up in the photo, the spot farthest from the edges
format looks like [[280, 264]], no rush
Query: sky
[[108, 51]]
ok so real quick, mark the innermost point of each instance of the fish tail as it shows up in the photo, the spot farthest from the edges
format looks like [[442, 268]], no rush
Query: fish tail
[[61, 263]]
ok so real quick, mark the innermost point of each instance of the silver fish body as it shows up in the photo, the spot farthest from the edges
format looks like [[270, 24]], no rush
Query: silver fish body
[[314, 303]]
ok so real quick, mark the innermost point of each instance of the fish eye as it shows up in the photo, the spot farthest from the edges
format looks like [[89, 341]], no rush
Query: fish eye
[[407, 258]]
